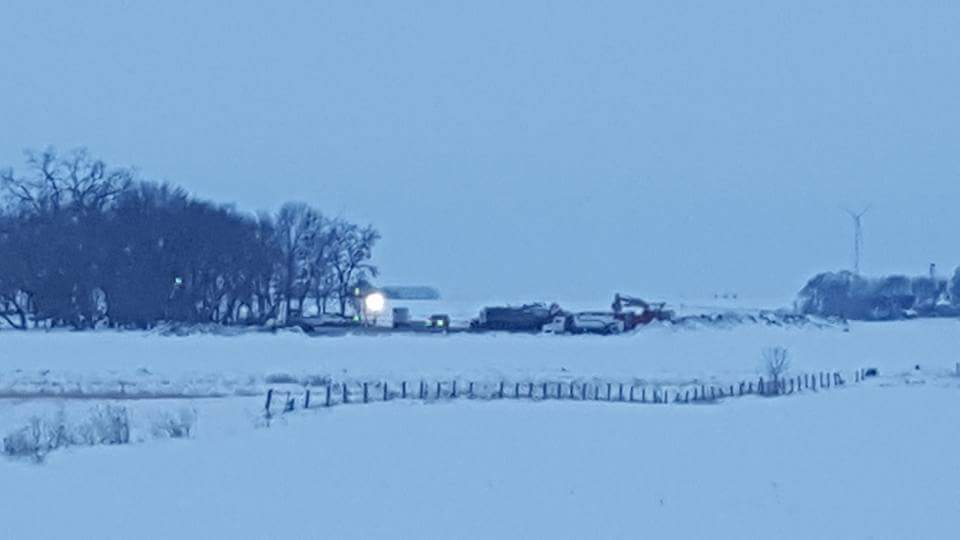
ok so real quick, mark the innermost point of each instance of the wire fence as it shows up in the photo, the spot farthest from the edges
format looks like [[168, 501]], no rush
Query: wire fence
[[346, 393]]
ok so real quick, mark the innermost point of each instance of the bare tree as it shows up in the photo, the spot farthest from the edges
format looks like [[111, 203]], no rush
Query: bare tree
[[353, 247], [83, 245], [297, 227], [76, 182], [323, 255], [776, 363]]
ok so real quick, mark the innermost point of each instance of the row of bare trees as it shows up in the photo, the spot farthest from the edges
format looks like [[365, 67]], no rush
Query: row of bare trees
[[83, 245]]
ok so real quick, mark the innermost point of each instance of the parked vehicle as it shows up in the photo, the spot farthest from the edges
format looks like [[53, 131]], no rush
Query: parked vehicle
[[561, 324], [526, 318], [596, 322], [401, 317], [439, 322], [327, 320]]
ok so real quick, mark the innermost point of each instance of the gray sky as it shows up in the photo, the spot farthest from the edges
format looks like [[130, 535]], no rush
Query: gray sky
[[527, 150]]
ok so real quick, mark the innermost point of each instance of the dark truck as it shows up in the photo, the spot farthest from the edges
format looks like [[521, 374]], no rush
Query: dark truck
[[526, 318]]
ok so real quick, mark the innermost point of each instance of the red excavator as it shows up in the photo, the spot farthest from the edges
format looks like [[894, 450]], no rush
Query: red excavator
[[648, 313]]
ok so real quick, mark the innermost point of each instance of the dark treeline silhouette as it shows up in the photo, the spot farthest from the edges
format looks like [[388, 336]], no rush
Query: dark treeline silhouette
[[851, 296], [86, 245]]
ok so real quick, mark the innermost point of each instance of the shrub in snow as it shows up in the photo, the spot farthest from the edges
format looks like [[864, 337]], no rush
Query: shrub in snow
[[316, 380], [178, 426], [38, 438], [281, 378], [109, 424], [26, 441]]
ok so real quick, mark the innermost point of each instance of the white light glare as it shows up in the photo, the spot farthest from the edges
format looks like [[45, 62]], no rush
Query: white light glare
[[374, 302]]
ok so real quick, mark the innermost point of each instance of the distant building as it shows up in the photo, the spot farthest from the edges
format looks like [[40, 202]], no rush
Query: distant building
[[417, 292]]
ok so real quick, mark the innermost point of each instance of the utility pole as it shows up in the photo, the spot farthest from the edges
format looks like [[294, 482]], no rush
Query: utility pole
[[857, 218]]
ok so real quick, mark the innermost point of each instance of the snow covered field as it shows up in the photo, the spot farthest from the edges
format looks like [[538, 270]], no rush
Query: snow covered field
[[874, 460], [212, 365]]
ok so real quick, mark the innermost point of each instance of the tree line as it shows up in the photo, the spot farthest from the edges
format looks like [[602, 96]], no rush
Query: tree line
[[852, 296], [84, 245]]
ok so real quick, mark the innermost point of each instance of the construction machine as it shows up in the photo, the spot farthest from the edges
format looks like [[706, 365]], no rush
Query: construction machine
[[648, 311]]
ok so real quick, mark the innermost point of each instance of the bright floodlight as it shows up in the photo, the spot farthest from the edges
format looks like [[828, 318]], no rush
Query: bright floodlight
[[374, 302]]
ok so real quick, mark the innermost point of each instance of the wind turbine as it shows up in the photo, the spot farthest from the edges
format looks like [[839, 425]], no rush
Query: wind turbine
[[857, 218]]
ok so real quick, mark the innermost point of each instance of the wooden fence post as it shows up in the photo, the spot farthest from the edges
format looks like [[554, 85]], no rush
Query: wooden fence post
[[386, 392], [516, 390], [596, 392], [306, 400], [266, 406], [453, 391], [583, 392], [423, 390], [346, 394], [438, 390], [365, 395], [403, 389], [621, 391], [571, 390], [545, 391], [559, 390], [530, 390], [631, 393], [471, 390], [643, 395], [609, 388], [326, 401], [501, 390], [686, 396]]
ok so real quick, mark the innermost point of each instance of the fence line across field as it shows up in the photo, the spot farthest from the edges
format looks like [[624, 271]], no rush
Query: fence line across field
[[335, 394]]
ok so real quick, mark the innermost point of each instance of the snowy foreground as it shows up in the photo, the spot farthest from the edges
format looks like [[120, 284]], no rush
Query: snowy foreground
[[871, 460]]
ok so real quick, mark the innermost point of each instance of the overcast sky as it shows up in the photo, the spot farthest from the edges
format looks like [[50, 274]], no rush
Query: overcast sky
[[527, 150]]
